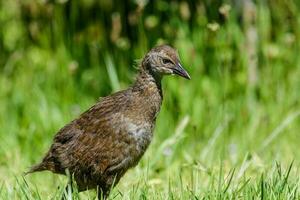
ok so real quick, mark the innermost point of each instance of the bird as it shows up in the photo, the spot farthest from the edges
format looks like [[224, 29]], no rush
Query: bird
[[99, 146]]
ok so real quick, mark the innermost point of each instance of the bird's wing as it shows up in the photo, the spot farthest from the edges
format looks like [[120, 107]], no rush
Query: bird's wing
[[91, 141]]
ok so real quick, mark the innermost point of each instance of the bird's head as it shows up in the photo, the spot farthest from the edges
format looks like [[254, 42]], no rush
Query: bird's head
[[164, 60]]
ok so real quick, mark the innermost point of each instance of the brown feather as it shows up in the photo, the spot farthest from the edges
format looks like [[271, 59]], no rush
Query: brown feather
[[109, 138]]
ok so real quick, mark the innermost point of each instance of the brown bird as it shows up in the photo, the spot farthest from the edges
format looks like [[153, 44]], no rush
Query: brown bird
[[109, 138]]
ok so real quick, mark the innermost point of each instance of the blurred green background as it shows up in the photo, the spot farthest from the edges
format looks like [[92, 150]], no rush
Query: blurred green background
[[239, 115]]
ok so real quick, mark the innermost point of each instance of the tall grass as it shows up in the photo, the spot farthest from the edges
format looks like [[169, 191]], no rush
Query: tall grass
[[218, 136]]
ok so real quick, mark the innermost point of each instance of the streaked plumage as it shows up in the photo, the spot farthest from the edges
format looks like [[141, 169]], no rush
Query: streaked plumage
[[112, 136]]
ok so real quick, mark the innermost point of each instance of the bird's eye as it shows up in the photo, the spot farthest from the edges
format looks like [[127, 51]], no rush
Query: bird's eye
[[166, 61]]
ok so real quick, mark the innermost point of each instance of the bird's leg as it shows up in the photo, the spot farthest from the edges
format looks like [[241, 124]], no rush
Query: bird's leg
[[102, 194]]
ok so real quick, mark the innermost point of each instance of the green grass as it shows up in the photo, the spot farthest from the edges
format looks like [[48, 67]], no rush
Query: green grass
[[218, 136]]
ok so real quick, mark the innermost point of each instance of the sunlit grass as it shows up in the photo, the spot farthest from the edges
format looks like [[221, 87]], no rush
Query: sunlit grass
[[216, 137]]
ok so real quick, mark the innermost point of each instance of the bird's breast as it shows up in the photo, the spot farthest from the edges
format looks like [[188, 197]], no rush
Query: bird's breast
[[141, 135]]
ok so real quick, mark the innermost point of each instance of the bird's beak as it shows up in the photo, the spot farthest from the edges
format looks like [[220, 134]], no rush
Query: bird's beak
[[178, 69]]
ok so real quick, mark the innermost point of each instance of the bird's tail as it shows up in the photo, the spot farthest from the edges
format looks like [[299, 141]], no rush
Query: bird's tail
[[36, 168]]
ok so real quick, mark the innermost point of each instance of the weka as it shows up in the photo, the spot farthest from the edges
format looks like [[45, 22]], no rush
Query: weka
[[105, 141]]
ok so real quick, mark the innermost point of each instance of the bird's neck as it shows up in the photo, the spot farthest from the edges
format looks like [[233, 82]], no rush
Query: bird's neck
[[148, 88], [148, 81]]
